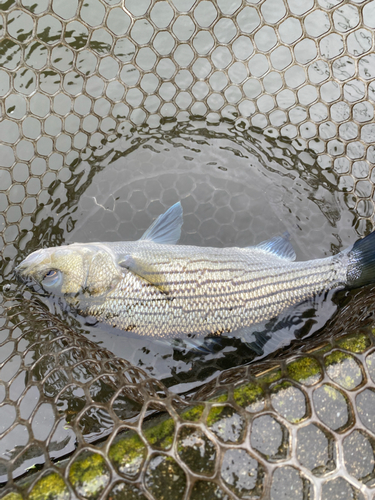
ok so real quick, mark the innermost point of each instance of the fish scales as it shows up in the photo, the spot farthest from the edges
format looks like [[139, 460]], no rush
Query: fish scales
[[156, 288], [211, 292]]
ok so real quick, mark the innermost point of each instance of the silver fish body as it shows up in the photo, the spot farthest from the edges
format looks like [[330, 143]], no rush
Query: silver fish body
[[155, 288], [204, 291]]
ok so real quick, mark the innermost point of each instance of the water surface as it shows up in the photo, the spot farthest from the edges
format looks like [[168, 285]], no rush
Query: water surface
[[237, 188]]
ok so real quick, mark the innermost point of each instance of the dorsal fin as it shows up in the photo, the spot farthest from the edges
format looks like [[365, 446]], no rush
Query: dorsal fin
[[167, 227], [279, 246]]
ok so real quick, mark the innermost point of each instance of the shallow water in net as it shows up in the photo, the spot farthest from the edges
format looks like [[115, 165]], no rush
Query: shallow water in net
[[237, 188]]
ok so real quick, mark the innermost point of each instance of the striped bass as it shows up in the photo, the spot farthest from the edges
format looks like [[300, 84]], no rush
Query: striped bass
[[156, 288]]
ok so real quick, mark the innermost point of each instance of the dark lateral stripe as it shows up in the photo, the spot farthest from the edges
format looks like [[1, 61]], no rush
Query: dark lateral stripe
[[211, 265], [248, 269], [245, 267], [190, 271], [280, 284], [310, 289], [246, 280], [276, 281]]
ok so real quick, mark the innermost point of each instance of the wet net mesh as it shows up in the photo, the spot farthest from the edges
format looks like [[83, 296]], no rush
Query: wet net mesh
[[75, 420]]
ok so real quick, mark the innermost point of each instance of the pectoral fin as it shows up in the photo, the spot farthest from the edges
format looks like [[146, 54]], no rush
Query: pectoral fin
[[166, 228], [146, 271]]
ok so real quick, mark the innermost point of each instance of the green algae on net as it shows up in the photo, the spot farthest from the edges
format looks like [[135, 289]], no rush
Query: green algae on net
[[253, 413]]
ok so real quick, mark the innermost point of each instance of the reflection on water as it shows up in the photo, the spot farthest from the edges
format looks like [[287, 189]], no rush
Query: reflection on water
[[236, 188]]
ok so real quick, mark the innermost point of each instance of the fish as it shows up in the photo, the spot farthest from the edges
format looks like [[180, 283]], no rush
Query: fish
[[156, 288]]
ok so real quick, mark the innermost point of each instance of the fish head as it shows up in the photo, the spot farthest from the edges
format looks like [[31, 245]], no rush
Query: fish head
[[71, 270]]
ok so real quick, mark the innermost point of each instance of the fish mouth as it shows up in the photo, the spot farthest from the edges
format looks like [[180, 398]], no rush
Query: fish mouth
[[25, 279], [20, 277], [28, 268]]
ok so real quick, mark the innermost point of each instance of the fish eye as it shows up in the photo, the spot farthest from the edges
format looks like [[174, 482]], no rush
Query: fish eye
[[52, 278]]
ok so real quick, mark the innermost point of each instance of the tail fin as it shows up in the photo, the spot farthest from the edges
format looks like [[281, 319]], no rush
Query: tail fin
[[361, 269]]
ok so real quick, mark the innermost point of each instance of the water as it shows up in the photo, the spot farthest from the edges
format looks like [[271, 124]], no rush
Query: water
[[237, 188]]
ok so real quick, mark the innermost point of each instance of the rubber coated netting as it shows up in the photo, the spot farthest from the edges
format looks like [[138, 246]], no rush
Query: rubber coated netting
[[75, 420]]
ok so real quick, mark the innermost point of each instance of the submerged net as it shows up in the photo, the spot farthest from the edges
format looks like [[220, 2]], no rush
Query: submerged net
[[76, 78]]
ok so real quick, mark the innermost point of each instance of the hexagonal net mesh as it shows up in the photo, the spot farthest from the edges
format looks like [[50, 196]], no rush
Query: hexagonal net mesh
[[71, 74], [75, 420]]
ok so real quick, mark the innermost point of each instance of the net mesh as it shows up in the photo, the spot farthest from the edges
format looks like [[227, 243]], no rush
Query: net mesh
[[76, 75]]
